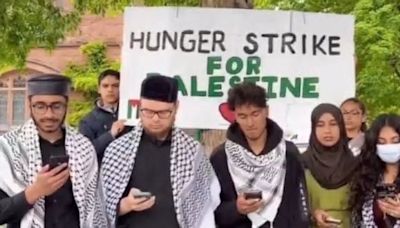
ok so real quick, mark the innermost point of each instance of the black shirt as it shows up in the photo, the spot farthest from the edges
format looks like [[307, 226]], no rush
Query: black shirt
[[293, 209], [151, 173], [13, 209], [61, 210]]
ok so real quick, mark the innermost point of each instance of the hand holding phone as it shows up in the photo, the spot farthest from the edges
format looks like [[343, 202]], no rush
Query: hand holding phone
[[146, 195], [333, 221], [47, 182], [57, 160], [136, 200], [249, 201], [252, 194], [323, 219]]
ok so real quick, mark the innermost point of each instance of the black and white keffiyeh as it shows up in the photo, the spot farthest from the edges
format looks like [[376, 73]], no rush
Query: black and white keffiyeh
[[367, 214], [263, 172], [20, 161], [194, 184]]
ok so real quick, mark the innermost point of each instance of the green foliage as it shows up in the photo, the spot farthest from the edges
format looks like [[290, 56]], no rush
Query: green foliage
[[377, 41], [5, 68], [105, 6], [336, 6], [271, 4], [102, 6], [78, 109], [84, 78], [39, 23], [28, 24], [378, 52], [172, 2]]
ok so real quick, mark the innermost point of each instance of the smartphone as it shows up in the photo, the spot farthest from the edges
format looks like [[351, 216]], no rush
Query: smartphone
[[333, 221], [386, 191], [56, 160], [252, 194], [146, 195]]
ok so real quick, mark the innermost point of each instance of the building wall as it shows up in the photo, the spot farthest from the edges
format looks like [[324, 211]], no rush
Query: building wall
[[92, 28]]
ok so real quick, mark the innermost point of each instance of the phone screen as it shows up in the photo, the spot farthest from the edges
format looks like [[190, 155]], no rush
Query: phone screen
[[252, 195], [142, 195], [56, 160], [333, 221], [386, 191]]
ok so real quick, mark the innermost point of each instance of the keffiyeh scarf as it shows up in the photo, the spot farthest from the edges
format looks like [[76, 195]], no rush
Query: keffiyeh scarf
[[367, 214], [191, 176], [264, 172], [20, 161]]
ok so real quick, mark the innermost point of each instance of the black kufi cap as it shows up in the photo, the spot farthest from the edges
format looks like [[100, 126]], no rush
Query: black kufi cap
[[49, 84], [160, 88]]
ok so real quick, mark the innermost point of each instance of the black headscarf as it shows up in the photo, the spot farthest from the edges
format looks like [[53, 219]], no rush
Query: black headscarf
[[332, 167]]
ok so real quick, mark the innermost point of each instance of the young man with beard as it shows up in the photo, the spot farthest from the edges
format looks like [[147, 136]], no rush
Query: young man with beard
[[48, 171], [101, 125], [156, 175], [261, 178]]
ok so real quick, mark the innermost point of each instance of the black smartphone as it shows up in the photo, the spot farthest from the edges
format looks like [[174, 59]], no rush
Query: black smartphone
[[252, 194], [146, 195], [387, 191], [56, 160]]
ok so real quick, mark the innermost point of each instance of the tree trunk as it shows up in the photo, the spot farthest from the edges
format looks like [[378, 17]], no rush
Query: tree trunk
[[212, 138], [245, 4]]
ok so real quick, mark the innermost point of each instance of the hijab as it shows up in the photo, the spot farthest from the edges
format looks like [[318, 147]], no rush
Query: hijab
[[333, 166]]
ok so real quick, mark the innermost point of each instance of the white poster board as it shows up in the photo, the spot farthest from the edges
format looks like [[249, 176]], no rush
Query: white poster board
[[301, 59]]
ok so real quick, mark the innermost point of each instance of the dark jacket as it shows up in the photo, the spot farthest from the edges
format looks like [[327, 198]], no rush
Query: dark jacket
[[293, 211], [96, 125], [13, 209]]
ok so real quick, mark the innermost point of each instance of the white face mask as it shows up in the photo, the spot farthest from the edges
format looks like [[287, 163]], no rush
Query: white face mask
[[389, 153]]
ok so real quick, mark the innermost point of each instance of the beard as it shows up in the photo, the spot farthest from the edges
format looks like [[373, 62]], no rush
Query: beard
[[158, 134], [40, 124]]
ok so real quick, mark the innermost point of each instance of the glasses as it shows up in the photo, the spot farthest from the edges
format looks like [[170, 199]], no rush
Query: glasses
[[56, 108], [163, 114], [354, 113]]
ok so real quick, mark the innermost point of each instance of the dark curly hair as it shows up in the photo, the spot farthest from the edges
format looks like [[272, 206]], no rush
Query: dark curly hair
[[371, 166], [247, 93]]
